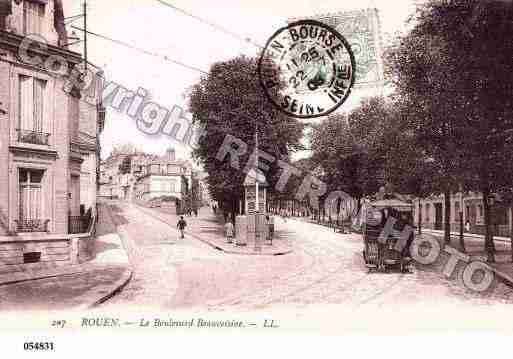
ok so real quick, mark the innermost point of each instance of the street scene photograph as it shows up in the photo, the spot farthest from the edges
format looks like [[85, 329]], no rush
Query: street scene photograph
[[256, 165]]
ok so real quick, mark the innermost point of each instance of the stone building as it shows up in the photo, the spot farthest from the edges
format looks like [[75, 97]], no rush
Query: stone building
[[49, 147], [165, 177], [114, 183], [471, 205]]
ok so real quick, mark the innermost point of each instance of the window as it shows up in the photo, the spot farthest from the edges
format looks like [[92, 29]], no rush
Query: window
[[456, 211], [427, 212], [31, 110], [30, 182], [33, 15], [172, 186]]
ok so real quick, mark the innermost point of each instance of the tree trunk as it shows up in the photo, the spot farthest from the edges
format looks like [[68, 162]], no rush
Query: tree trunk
[[420, 217], [511, 229], [447, 217], [235, 204], [489, 245], [462, 236]]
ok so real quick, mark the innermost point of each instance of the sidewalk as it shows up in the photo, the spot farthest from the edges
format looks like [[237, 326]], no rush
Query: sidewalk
[[208, 229], [79, 286], [322, 224], [474, 245]]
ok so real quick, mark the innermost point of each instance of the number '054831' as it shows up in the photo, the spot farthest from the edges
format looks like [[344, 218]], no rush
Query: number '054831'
[[38, 346]]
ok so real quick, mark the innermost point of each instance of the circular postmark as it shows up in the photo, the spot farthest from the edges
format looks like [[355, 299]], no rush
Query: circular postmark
[[307, 69]]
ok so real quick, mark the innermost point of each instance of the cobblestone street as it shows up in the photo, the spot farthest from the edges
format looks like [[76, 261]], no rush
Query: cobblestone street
[[324, 268]]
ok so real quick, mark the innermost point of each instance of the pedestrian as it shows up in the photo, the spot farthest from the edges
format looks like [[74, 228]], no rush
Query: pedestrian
[[270, 224], [229, 231], [467, 226], [181, 226]]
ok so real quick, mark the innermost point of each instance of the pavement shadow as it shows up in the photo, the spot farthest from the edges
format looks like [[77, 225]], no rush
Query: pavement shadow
[[282, 235], [119, 220], [101, 246], [212, 220], [210, 230], [114, 208]]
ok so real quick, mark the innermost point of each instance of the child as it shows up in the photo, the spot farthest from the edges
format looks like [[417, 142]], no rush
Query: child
[[229, 231]]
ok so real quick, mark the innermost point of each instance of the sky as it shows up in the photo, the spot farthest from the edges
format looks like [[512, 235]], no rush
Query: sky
[[150, 25]]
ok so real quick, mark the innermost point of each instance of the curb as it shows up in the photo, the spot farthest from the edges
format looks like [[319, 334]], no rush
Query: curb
[[103, 297], [508, 280], [471, 235], [212, 244], [240, 253]]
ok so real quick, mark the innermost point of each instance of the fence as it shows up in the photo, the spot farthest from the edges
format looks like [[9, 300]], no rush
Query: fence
[[79, 224]]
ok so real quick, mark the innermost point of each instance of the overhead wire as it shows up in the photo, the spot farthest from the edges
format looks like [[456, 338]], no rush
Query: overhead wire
[[147, 52], [211, 24]]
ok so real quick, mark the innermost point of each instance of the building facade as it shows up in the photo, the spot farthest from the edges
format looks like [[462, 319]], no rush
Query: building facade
[[49, 146], [165, 176], [117, 182], [471, 205]]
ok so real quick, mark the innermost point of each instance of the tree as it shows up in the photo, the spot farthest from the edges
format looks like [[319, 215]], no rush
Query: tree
[[455, 70], [126, 165], [343, 146], [230, 101]]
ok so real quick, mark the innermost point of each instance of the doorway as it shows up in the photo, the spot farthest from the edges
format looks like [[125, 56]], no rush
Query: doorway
[[438, 216]]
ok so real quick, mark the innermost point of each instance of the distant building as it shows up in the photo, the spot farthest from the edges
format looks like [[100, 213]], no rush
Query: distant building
[[433, 213], [116, 183], [165, 176]]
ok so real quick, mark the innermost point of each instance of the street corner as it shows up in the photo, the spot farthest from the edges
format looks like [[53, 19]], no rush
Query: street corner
[[266, 247], [66, 290], [118, 278]]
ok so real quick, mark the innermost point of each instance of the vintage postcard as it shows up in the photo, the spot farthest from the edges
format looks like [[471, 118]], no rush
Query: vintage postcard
[[244, 168]]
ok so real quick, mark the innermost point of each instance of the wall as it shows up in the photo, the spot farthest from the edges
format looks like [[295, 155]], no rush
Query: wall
[[48, 30], [56, 250]]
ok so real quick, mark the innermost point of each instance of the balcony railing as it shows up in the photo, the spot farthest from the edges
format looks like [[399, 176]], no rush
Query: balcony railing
[[33, 137], [31, 225]]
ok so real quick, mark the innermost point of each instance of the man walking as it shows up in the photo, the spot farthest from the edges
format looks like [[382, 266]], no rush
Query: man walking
[[181, 226]]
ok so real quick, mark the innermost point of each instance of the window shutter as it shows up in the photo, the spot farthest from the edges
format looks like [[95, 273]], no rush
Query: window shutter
[[25, 103]]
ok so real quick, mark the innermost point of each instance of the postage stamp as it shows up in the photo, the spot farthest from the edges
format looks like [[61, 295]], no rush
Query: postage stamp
[[316, 69], [362, 29]]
